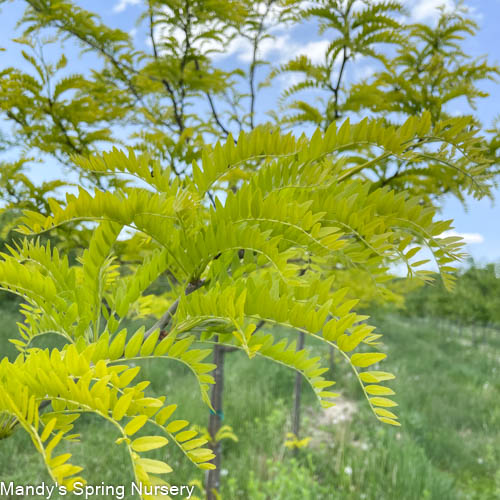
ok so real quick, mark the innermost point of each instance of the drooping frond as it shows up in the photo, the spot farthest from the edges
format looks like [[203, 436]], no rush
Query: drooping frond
[[93, 275], [286, 353], [157, 345], [75, 385], [140, 167], [235, 311]]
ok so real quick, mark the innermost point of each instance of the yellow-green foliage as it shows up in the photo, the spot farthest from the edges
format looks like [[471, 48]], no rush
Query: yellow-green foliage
[[288, 217], [79, 379]]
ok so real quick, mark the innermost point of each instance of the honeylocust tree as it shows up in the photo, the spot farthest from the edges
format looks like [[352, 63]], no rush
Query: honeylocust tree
[[176, 100], [232, 265]]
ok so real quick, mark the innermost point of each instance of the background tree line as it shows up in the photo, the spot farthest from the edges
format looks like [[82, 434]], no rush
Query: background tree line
[[475, 299]]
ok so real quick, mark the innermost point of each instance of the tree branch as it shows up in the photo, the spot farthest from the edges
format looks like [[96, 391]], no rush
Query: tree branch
[[253, 65], [164, 321], [336, 90], [214, 112], [166, 84]]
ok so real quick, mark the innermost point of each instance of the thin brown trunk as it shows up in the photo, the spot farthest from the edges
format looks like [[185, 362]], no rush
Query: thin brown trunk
[[297, 393], [215, 422]]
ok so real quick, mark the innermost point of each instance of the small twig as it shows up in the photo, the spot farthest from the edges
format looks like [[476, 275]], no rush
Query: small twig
[[336, 90], [164, 321], [211, 197]]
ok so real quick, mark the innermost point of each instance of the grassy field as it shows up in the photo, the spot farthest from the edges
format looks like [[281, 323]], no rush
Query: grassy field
[[448, 446]]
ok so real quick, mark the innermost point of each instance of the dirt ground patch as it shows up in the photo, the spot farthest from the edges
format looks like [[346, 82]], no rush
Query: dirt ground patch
[[343, 411], [322, 421]]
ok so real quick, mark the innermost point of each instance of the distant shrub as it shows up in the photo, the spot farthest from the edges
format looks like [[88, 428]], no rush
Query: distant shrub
[[475, 299]]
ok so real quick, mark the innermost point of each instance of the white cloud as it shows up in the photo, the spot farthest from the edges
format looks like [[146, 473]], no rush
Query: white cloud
[[281, 48], [363, 72], [314, 50], [291, 79], [428, 10], [239, 46], [242, 48], [469, 238], [123, 4]]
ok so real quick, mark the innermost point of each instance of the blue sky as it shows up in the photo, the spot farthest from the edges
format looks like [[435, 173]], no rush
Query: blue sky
[[479, 223]]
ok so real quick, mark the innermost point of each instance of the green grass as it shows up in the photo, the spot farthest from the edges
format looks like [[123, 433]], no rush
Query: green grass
[[447, 448]]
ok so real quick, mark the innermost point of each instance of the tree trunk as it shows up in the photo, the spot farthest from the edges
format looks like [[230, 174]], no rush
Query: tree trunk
[[297, 394], [215, 422]]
